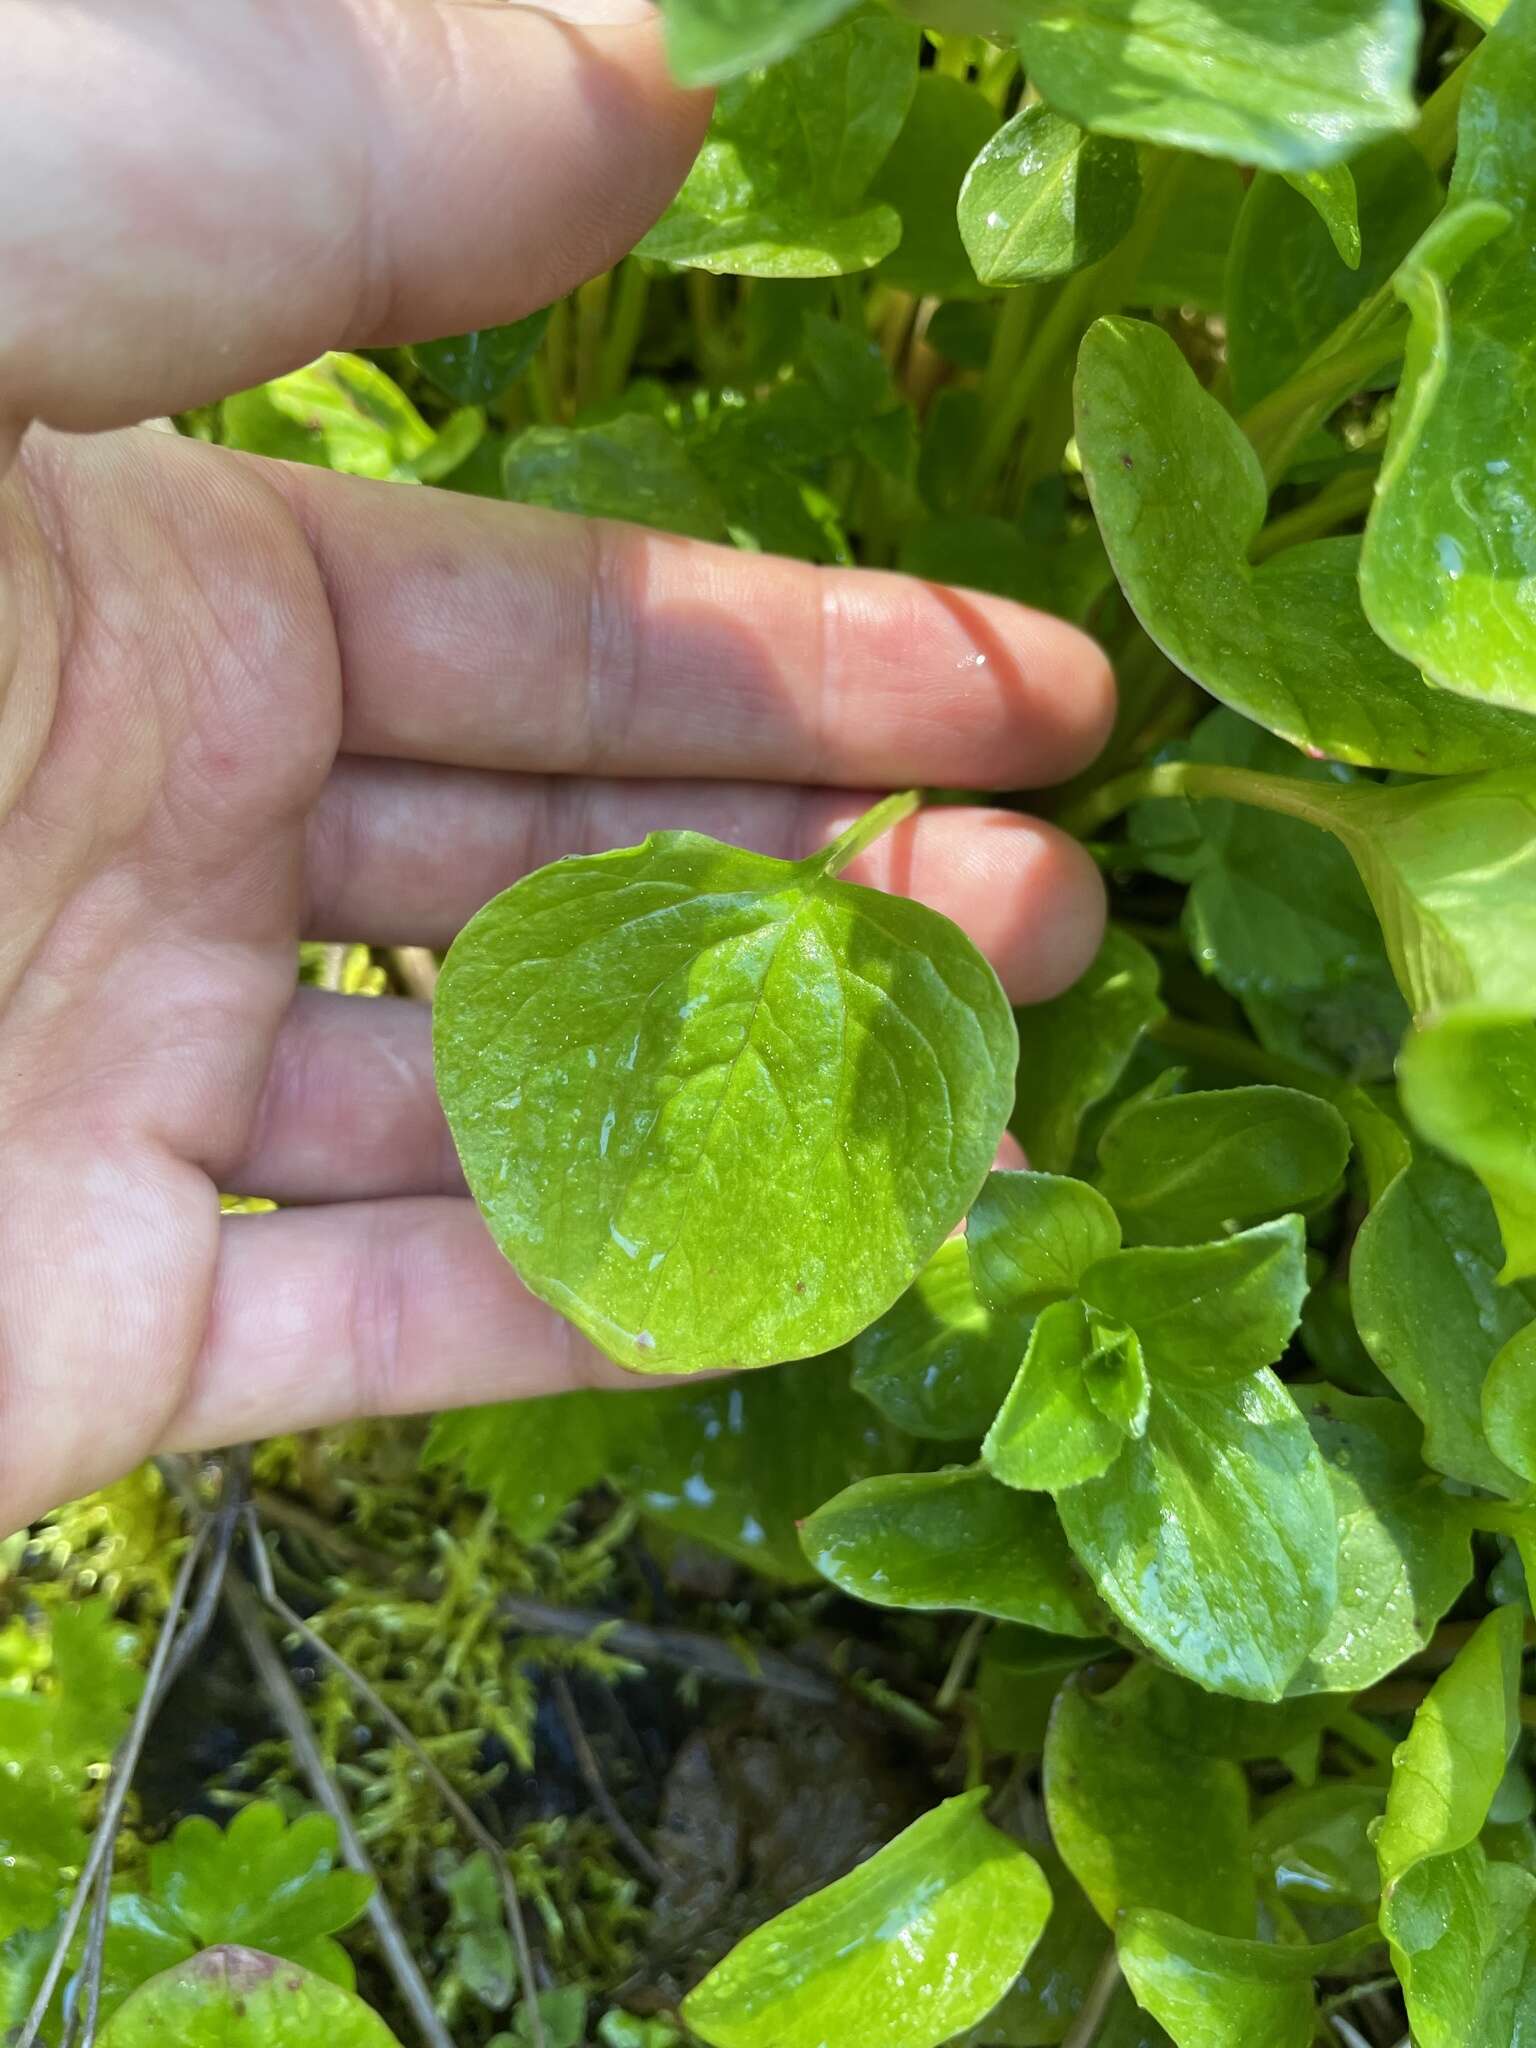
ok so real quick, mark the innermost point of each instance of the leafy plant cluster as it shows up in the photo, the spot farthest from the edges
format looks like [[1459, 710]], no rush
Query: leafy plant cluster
[[1206, 324]]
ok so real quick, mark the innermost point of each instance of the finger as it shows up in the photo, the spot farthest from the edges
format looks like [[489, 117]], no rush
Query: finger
[[307, 174], [498, 636], [350, 1108], [369, 1308], [402, 855]]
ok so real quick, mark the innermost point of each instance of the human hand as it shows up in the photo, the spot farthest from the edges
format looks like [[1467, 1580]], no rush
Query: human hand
[[242, 703]]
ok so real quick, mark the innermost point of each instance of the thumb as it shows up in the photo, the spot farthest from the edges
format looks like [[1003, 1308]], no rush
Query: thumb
[[200, 197]]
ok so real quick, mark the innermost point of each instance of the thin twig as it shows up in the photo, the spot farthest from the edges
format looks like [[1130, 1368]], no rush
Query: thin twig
[[246, 1613], [685, 1649], [1350, 2035], [449, 1793], [1095, 2007], [124, 1763], [596, 1784]]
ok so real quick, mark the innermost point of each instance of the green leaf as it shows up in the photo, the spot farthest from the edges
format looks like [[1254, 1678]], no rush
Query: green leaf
[[907, 1950], [1180, 497], [1141, 1822], [1289, 285], [1039, 2009], [1207, 1313], [1424, 1279], [1215, 1991], [1445, 1775], [1285, 88], [1186, 261], [709, 41], [1447, 1917], [939, 1363], [1509, 1403], [1468, 1083], [1331, 194], [1404, 1554], [1062, 1421], [1213, 1537], [1044, 199], [49, 1740], [237, 1998], [952, 1540], [922, 178], [738, 1464], [262, 1882], [1032, 1236], [341, 412], [532, 1458], [1074, 1049], [1276, 910], [1192, 1166], [1450, 550], [1313, 1850], [780, 188], [474, 369], [483, 1952], [737, 1104], [632, 467], [1018, 1675]]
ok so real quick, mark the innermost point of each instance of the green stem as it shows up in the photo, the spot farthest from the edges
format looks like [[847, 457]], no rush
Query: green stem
[[591, 323], [1345, 498], [1435, 136], [1278, 425], [1010, 341], [1241, 1055], [626, 322], [1361, 1734], [1291, 798], [864, 832], [1094, 2009]]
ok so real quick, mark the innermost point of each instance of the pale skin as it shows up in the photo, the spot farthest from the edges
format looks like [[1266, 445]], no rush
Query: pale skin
[[242, 703]]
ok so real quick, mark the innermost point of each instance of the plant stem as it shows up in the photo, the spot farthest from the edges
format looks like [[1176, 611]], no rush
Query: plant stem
[[458, 1806], [1095, 2006], [591, 326], [124, 1762], [872, 826], [1278, 424], [1242, 1055], [1291, 798], [1361, 1734], [626, 323], [1435, 136], [245, 1612], [961, 1664], [1339, 501], [596, 1784]]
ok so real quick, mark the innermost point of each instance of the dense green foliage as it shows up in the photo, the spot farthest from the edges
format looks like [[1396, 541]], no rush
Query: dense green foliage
[[1206, 324]]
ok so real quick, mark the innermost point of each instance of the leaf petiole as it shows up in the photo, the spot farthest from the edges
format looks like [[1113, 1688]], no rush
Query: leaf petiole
[[864, 832]]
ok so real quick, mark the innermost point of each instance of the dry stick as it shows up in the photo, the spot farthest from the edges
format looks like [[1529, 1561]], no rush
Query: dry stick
[[1095, 2007], [684, 1648], [124, 1763], [592, 1775], [246, 1613], [456, 1804], [191, 1636]]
